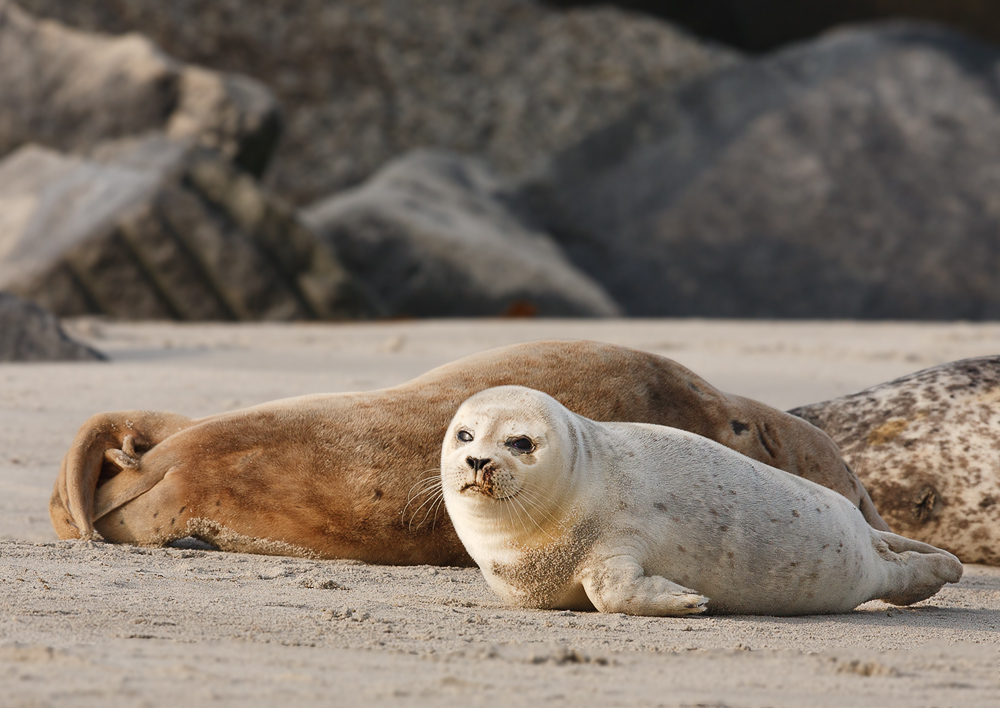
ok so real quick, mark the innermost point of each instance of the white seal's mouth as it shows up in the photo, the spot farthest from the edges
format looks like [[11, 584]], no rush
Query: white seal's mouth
[[481, 478], [488, 481], [487, 490]]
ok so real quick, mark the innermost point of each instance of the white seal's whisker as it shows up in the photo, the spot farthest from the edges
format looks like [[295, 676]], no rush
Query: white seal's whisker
[[413, 497], [427, 505], [424, 484], [532, 519], [431, 511], [548, 517], [437, 508], [539, 502], [422, 497], [513, 503], [430, 487], [430, 480], [510, 515]]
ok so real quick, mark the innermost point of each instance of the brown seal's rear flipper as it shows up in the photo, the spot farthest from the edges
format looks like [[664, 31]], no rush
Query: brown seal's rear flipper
[[107, 446]]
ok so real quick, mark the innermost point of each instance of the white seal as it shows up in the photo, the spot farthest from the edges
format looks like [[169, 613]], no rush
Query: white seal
[[560, 511]]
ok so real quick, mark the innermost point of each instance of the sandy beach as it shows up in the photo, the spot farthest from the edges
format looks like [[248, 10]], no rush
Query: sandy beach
[[86, 624]]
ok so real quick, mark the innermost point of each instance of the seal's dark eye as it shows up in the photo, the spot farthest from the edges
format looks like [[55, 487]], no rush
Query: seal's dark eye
[[522, 444], [465, 436]]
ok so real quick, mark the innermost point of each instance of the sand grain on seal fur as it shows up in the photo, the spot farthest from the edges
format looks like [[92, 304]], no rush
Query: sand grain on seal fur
[[560, 511], [355, 475]]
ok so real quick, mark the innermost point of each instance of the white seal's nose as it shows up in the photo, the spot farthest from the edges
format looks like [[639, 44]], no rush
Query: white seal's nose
[[477, 463]]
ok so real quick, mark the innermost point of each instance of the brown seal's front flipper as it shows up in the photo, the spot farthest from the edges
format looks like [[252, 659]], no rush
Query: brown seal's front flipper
[[108, 447]]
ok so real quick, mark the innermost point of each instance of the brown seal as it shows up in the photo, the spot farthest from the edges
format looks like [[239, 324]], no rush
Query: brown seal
[[356, 475], [927, 446]]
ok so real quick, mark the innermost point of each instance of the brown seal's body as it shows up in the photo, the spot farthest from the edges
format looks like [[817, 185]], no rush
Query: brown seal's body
[[353, 475], [927, 445]]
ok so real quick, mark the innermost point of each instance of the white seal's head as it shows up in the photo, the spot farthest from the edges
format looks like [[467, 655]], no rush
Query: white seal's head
[[508, 467]]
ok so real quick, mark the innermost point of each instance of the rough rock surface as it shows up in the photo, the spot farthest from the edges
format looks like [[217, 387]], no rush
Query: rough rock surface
[[158, 229], [29, 333], [854, 177], [68, 90], [926, 447], [433, 234], [362, 82]]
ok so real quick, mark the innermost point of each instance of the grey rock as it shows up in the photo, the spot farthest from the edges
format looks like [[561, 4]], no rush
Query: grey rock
[[855, 176], [362, 82], [69, 90], [157, 228], [29, 333], [433, 234]]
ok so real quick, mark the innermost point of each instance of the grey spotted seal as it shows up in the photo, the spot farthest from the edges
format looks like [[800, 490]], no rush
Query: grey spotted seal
[[560, 511], [927, 447], [355, 475]]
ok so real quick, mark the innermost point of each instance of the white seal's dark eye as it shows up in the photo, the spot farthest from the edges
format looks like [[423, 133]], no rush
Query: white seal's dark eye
[[522, 444], [465, 436]]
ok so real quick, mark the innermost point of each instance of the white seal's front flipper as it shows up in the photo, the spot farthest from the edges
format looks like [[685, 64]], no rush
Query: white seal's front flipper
[[619, 584]]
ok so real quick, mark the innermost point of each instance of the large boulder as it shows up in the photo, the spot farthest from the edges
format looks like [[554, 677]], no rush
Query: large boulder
[[157, 228], [434, 234], [29, 333], [855, 176], [362, 82], [68, 90]]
